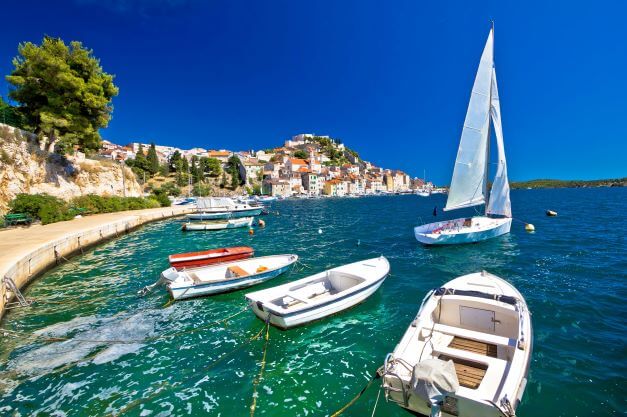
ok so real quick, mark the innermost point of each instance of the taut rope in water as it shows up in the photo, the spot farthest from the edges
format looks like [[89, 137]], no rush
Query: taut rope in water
[[356, 397], [256, 381]]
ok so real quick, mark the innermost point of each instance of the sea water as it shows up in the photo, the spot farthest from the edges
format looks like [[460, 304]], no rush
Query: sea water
[[571, 272]]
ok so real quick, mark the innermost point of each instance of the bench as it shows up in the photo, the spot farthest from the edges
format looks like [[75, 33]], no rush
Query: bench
[[17, 218], [235, 271], [79, 210], [473, 335]]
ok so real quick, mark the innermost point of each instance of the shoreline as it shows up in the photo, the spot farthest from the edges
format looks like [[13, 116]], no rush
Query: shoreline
[[26, 253]]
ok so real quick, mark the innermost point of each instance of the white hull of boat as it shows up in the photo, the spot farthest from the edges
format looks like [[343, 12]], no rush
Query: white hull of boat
[[220, 278], [482, 324], [219, 214], [455, 232], [320, 295], [228, 224]]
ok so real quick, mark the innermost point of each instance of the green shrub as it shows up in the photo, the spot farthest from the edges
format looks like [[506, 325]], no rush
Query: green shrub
[[45, 207], [161, 197]]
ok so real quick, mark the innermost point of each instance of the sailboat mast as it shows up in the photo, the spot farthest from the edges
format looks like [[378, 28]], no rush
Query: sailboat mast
[[487, 148]]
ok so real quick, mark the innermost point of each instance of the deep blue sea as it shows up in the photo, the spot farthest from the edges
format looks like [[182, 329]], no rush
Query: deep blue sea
[[572, 272]]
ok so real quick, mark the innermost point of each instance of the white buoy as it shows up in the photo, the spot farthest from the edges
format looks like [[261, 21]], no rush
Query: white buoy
[[529, 227], [319, 231]]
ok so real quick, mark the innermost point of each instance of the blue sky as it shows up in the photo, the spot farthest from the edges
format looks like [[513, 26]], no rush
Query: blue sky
[[390, 78]]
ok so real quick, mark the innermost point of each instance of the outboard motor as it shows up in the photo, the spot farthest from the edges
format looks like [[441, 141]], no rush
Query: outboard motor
[[167, 276], [432, 380]]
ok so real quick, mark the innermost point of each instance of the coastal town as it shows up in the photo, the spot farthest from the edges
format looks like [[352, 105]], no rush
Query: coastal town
[[307, 165]]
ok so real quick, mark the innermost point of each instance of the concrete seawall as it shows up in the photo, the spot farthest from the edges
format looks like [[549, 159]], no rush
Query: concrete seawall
[[26, 253]]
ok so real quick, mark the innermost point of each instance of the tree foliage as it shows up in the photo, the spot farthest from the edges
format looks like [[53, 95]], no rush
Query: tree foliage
[[301, 154], [63, 92], [152, 160]]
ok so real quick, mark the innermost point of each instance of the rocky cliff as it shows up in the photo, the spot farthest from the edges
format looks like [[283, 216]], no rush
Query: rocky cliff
[[25, 168]]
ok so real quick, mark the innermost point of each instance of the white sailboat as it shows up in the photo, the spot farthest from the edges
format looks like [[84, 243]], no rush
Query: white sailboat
[[470, 175]]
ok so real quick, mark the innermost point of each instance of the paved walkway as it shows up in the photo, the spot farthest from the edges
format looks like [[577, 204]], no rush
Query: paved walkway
[[35, 246]]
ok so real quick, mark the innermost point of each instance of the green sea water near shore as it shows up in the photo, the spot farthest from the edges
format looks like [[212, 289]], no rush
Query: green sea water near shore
[[571, 272]]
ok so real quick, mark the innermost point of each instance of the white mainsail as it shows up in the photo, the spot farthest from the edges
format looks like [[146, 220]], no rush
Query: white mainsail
[[469, 174], [499, 202]]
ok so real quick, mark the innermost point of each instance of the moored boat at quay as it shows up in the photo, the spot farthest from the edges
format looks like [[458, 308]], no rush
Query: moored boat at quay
[[214, 208], [209, 257], [218, 224]]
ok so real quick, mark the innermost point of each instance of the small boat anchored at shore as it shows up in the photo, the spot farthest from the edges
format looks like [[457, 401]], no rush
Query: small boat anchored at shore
[[214, 208], [467, 352], [218, 224], [209, 257], [320, 295], [224, 277]]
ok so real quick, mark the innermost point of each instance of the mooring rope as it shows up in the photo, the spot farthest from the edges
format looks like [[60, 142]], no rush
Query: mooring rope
[[259, 377], [356, 397]]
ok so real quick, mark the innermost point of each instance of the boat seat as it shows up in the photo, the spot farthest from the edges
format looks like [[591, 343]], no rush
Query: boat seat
[[297, 298], [194, 277], [494, 368], [474, 335], [235, 271]]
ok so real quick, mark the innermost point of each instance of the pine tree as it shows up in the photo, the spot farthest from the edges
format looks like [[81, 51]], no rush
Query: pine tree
[[152, 160], [63, 92]]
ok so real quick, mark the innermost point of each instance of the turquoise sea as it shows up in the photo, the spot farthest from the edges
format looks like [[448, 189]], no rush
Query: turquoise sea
[[572, 271]]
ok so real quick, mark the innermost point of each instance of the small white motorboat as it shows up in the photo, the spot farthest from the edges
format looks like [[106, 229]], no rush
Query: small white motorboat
[[222, 208], [319, 295], [224, 277], [219, 225], [467, 352]]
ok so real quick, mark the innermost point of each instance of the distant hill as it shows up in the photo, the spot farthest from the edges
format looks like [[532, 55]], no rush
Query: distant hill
[[546, 183]]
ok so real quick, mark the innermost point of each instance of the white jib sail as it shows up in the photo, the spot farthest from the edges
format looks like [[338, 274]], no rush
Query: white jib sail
[[469, 172], [499, 196]]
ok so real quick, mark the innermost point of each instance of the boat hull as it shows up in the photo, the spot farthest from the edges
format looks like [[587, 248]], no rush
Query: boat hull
[[300, 318], [201, 290], [210, 257], [505, 372], [285, 319], [428, 234], [183, 289], [219, 215], [229, 224]]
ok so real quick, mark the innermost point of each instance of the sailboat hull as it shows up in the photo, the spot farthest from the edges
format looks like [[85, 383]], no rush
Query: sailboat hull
[[461, 231]]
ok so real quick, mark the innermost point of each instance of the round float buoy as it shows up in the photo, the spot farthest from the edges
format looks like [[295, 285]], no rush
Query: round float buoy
[[551, 213], [319, 231], [251, 232], [262, 223], [529, 227]]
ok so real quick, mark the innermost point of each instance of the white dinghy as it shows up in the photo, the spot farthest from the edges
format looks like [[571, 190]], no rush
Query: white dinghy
[[467, 352], [469, 186], [219, 225], [224, 277], [214, 208], [319, 295]]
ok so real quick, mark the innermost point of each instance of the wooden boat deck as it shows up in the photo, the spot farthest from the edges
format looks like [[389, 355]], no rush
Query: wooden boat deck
[[469, 374], [481, 348]]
